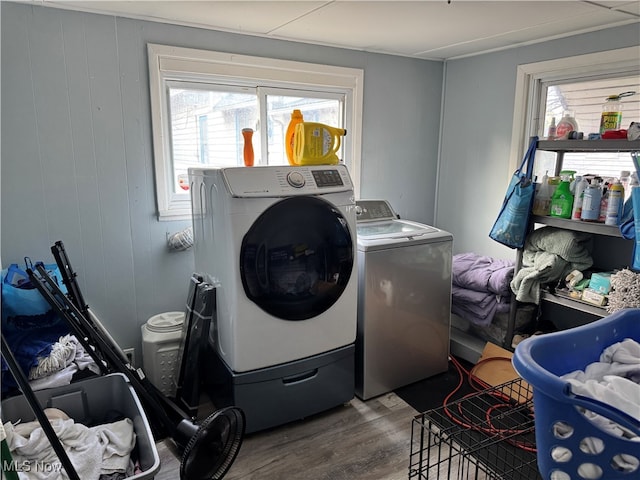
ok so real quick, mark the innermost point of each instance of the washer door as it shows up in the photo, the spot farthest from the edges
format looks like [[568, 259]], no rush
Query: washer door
[[296, 259]]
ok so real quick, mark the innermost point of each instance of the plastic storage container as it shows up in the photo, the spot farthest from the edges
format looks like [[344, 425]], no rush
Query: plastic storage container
[[541, 361], [92, 402], [161, 337]]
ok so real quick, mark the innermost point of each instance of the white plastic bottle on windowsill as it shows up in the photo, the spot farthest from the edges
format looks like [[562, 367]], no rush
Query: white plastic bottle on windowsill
[[566, 124]]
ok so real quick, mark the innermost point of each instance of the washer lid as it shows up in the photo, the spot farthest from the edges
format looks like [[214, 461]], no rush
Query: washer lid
[[392, 232], [393, 229]]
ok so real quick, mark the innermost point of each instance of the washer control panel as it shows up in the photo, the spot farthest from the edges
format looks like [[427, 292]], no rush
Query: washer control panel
[[374, 210], [281, 181]]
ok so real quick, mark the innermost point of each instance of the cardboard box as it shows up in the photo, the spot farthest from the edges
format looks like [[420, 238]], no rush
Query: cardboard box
[[495, 368], [591, 296]]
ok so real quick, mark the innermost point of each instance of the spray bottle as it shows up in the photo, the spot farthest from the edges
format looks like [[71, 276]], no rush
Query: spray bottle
[[562, 199]]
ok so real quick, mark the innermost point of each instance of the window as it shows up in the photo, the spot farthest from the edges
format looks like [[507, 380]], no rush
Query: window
[[201, 101], [583, 101], [579, 85]]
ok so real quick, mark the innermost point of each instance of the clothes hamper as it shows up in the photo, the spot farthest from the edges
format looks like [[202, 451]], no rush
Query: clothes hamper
[[541, 361], [95, 401]]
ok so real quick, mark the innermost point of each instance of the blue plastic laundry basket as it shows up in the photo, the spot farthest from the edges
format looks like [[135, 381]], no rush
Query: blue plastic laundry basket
[[541, 361]]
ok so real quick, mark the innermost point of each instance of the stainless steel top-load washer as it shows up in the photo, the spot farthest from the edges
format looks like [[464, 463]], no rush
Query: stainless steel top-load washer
[[404, 299]]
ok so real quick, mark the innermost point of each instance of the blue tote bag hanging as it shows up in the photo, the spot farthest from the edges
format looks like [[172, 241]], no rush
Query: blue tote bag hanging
[[510, 228]]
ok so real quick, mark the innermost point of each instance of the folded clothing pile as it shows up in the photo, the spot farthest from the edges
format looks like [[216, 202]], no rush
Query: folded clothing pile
[[480, 287]]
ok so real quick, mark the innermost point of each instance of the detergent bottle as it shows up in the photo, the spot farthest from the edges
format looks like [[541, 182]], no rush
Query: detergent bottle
[[562, 199], [566, 124], [296, 118], [316, 144]]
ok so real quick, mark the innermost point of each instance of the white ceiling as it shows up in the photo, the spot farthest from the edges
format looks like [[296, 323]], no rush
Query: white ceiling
[[426, 29]]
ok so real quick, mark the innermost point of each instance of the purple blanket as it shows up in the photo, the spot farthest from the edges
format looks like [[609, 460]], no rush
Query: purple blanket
[[482, 273], [477, 307]]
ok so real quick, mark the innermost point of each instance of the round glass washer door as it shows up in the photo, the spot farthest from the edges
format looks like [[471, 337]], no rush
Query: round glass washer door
[[297, 258]]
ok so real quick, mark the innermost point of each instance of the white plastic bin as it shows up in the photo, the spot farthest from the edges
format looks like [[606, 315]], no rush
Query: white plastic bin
[[161, 337]]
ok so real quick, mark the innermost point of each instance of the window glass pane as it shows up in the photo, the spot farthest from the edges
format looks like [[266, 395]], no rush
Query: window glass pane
[[206, 129], [584, 99], [279, 109]]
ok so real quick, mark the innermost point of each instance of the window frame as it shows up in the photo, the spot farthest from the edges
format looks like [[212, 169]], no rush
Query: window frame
[[530, 94], [177, 64]]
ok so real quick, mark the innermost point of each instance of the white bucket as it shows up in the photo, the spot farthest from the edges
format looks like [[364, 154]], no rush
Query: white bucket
[[161, 337]]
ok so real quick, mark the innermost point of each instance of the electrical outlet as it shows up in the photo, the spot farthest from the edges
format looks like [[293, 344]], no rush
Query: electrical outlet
[[130, 353]]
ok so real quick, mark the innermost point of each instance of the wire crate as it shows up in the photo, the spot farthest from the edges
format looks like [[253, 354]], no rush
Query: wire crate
[[488, 435]]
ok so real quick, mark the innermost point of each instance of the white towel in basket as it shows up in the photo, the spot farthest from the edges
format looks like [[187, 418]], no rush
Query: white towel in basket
[[615, 381]]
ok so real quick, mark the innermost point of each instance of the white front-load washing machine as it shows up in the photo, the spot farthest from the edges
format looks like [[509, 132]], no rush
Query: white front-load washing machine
[[279, 245]]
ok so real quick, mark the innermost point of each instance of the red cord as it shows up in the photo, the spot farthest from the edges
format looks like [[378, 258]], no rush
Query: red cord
[[481, 386]]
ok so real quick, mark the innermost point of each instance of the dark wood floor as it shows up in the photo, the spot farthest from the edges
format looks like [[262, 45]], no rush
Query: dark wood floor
[[356, 441]]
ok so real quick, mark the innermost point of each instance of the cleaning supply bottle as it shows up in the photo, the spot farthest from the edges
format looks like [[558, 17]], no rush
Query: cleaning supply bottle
[[604, 201], [551, 133], [615, 204], [566, 124], [316, 144], [624, 180], [542, 197], [296, 118], [562, 199], [591, 201], [578, 197], [611, 117]]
